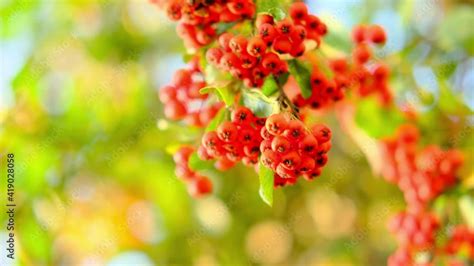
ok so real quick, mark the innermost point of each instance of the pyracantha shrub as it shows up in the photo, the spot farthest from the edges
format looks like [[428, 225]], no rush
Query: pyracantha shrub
[[252, 58], [290, 150], [269, 68], [182, 100], [198, 185], [234, 141], [420, 174], [197, 20]]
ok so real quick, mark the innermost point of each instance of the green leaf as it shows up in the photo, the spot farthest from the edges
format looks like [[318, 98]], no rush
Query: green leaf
[[302, 76], [216, 77], [226, 93], [462, 37], [277, 13], [270, 86], [274, 7], [196, 164], [377, 121], [224, 27], [217, 120], [466, 205], [282, 79], [260, 105], [266, 176], [449, 102]]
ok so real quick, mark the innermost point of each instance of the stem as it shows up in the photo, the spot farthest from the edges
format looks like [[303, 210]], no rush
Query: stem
[[286, 103]]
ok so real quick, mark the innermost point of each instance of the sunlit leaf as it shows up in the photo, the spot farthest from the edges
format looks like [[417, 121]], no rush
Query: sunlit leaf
[[302, 76], [270, 86], [196, 164], [466, 205], [377, 121], [266, 177], [260, 105], [217, 120]]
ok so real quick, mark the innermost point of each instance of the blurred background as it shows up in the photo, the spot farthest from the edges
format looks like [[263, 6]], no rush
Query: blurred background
[[95, 181]]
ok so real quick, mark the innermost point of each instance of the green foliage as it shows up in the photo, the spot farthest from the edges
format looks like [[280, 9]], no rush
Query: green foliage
[[274, 7], [270, 86], [266, 177], [302, 75], [196, 164], [220, 117], [377, 121], [456, 30], [260, 105], [466, 205]]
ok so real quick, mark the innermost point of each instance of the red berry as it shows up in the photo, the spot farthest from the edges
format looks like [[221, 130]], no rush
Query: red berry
[[377, 34], [256, 47], [359, 33], [263, 18], [282, 45], [270, 62], [291, 160], [267, 32], [200, 187], [227, 132], [214, 55], [298, 11], [276, 124], [284, 27], [270, 159], [280, 144], [210, 140], [223, 164], [361, 53], [295, 131], [298, 35], [308, 145], [242, 115], [307, 164], [224, 40], [238, 44], [322, 133], [298, 50], [182, 155], [175, 110], [167, 93]]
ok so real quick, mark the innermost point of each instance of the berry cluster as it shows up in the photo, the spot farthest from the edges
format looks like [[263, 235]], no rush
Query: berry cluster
[[346, 74], [198, 185], [420, 175], [462, 237], [324, 91], [369, 80], [414, 230], [290, 150], [183, 101], [234, 141], [198, 18], [251, 60]]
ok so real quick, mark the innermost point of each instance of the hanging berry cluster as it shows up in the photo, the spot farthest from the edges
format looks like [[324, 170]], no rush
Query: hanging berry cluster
[[234, 141], [279, 49], [462, 238], [355, 73], [198, 19], [421, 176], [197, 184], [252, 59], [183, 101], [292, 151]]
